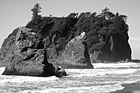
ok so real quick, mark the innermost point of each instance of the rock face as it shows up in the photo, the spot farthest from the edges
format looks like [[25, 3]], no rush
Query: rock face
[[29, 57], [8, 46], [75, 54], [114, 44], [106, 38], [116, 48]]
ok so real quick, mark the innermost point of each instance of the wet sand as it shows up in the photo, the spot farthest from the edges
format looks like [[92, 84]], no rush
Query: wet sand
[[130, 88]]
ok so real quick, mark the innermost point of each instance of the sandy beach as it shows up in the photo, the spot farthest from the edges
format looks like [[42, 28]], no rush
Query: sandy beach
[[130, 88]]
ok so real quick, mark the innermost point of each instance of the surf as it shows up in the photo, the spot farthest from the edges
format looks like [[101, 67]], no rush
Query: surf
[[106, 77]]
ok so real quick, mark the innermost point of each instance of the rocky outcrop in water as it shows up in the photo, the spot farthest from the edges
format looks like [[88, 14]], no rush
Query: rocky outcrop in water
[[106, 37], [29, 58]]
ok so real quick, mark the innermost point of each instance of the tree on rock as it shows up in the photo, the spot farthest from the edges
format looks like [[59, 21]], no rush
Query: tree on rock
[[36, 9], [107, 13]]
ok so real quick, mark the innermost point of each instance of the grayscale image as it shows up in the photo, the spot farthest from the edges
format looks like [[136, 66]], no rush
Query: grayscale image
[[69, 46]]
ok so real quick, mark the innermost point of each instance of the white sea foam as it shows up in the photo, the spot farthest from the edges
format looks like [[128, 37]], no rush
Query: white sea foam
[[97, 72], [91, 89], [24, 79], [115, 65], [98, 80]]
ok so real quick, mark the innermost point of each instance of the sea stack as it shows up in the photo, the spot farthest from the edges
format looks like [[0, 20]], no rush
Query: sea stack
[[54, 39], [29, 57]]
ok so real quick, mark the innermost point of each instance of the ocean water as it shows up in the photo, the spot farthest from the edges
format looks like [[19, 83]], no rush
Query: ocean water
[[106, 77]]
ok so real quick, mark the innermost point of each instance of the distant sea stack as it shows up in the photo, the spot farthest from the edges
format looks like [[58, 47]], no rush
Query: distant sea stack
[[106, 39]]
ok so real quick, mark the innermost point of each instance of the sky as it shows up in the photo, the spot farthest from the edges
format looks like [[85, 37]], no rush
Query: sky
[[16, 13]]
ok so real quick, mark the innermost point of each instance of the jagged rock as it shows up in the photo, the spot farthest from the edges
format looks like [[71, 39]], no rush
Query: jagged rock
[[30, 57], [106, 37], [76, 54], [59, 72]]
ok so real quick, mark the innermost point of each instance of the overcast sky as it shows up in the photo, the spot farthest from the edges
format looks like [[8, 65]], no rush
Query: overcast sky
[[15, 13]]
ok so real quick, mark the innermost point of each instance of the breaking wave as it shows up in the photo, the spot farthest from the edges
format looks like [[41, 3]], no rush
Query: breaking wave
[[106, 77], [95, 89]]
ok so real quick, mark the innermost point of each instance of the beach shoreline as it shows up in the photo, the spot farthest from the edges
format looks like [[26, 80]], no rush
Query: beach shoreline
[[129, 88]]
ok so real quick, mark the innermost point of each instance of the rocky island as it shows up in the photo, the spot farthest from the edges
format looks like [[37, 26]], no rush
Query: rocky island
[[46, 44]]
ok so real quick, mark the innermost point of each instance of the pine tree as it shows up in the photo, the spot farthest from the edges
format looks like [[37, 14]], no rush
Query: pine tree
[[36, 9]]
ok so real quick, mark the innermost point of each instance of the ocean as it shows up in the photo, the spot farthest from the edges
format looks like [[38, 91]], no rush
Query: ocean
[[105, 78]]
